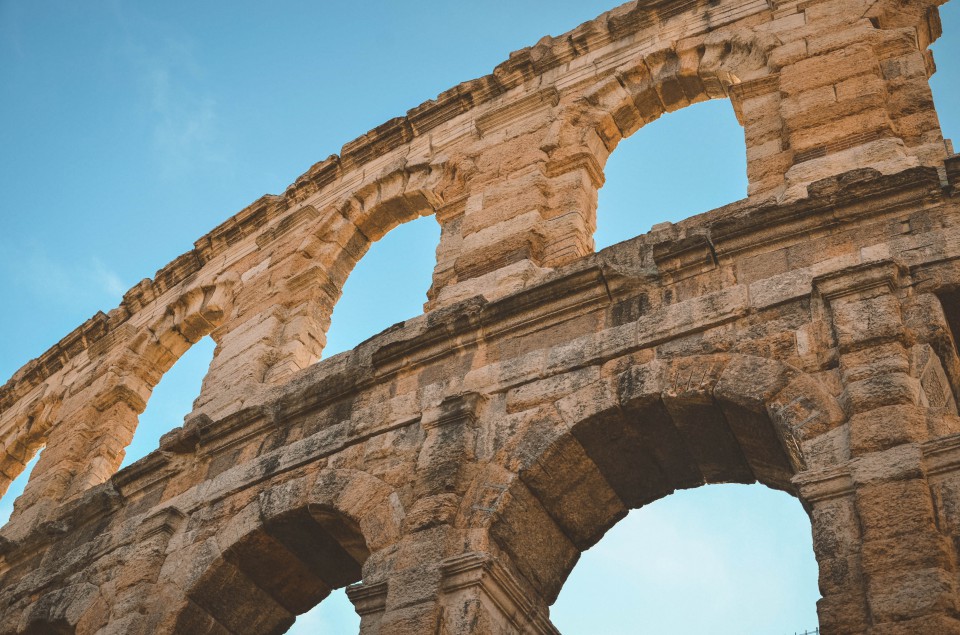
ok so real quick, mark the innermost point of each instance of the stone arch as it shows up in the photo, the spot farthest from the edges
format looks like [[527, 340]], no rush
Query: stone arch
[[324, 256], [285, 551], [89, 428], [637, 437], [57, 612], [674, 77], [26, 436], [588, 125]]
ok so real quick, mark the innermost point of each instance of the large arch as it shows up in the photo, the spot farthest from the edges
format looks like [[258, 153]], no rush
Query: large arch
[[103, 414], [261, 582], [720, 558], [282, 554], [638, 437], [589, 126]]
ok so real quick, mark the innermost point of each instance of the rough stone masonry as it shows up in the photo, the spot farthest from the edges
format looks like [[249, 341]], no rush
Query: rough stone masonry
[[452, 469]]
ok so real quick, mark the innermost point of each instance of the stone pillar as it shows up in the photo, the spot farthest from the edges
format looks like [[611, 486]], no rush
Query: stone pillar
[[467, 594], [830, 499], [529, 204], [136, 586], [283, 309], [86, 443], [854, 89], [481, 596], [907, 572], [370, 601], [265, 346], [434, 582], [411, 606], [757, 105]]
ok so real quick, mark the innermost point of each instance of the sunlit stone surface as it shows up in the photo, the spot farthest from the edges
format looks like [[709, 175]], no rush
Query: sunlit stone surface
[[453, 468]]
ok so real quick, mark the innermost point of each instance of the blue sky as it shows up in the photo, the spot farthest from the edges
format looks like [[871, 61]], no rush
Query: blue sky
[[128, 130]]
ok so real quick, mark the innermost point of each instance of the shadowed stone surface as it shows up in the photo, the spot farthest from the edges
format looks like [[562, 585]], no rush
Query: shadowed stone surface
[[453, 468]]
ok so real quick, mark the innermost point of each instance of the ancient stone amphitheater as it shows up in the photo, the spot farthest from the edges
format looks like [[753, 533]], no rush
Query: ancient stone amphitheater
[[453, 468]]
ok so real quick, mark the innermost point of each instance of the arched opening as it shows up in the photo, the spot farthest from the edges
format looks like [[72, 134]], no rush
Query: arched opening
[[280, 570], [660, 427], [171, 400], [388, 285], [723, 559], [16, 488], [730, 70], [945, 83], [684, 163], [274, 556]]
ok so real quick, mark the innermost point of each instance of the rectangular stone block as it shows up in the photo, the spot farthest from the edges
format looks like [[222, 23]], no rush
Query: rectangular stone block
[[895, 509], [824, 70]]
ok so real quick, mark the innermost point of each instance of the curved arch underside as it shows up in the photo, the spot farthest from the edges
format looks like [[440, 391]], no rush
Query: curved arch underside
[[280, 570], [669, 426]]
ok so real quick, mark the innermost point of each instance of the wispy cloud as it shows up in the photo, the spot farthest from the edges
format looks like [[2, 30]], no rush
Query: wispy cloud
[[109, 280], [59, 281], [185, 129], [182, 114]]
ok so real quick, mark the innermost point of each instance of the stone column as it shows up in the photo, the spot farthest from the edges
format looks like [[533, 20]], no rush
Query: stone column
[[854, 90], [479, 595], [470, 593], [528, 204], [435, 581], [757, 105], [907, 572], [370, 601], [283, 307], [830, 499], [266, 344], [86, 443], [136, 585]]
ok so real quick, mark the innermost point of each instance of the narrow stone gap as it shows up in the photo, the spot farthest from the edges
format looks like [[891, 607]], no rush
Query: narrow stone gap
[[951, 310], [172, 399], [16, 488]]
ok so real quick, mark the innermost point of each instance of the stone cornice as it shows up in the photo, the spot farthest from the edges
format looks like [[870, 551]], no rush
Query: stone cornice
[[481, 571]]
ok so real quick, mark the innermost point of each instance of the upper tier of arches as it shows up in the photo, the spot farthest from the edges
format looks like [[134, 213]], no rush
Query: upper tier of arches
[[510, 165]]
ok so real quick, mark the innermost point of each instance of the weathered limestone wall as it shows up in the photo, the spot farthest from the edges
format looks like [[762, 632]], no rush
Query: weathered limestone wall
[[458, 465]]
